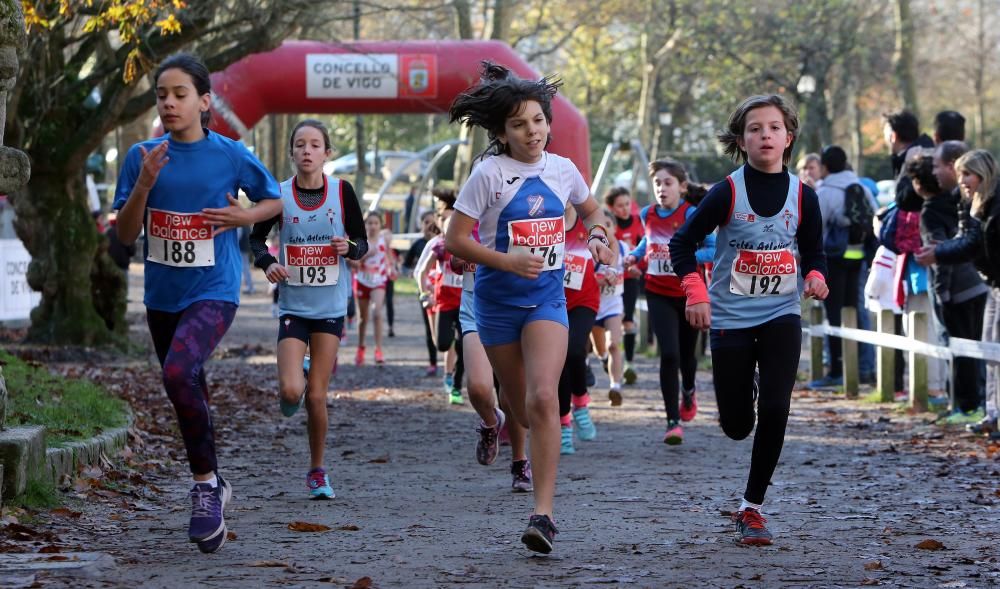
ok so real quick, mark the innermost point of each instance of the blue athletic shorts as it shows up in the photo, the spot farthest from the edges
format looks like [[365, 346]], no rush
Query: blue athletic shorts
[[466, 316], [501, 324]]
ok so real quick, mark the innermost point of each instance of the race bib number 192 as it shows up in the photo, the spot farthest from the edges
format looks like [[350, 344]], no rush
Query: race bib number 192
[[761, 273], [312, 265], [182, 240], [539, 237]]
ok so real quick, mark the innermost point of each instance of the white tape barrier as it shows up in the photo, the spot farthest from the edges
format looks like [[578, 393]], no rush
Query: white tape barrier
[[956, 348]]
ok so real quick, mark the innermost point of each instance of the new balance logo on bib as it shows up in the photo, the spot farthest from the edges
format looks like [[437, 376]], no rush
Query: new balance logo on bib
[[182, 240]]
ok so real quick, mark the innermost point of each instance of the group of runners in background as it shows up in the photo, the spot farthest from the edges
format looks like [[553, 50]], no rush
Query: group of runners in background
[[529, 273]]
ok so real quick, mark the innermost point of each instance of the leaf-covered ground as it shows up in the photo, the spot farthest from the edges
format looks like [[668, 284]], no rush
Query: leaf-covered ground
[[864, 494]]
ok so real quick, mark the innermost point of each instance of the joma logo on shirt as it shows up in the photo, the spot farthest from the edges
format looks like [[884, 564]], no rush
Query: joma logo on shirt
[[748, 217]]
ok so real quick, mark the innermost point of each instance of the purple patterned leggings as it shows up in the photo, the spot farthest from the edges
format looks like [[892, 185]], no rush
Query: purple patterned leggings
[[183, 343]]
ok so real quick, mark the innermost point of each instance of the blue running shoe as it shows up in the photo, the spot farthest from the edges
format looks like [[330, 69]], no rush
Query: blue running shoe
[[319, 484], [208, 526], [566, 447], [449, 382], [584, 425], [306, 363], [827, 382], [290, 409]]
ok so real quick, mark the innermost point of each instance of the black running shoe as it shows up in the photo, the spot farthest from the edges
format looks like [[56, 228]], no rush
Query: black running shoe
[[750, 528], [540, 534]]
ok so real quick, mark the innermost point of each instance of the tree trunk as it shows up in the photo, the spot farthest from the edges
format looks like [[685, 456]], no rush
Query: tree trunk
[[903, 56], [60, 235]]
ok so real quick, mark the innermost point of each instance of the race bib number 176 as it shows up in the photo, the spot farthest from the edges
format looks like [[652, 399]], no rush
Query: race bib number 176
[[182, 240], [539, 237]]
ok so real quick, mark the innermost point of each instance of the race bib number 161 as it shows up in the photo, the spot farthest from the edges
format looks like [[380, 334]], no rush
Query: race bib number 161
[[182, 240]]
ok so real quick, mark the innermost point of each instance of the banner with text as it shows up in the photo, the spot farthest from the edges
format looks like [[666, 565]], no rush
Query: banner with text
[[371, 75], [16, 297]]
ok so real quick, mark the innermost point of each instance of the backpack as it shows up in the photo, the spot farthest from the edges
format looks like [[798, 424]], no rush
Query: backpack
[[858, 209]]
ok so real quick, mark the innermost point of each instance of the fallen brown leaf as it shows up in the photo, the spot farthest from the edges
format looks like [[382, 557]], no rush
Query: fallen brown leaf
[[50, 549], [230, 535], [64, 512], [362, 583], [379, 460], [930, 545], [869, 582], [349, 528], [307, 527], [875, 565], [268, 563]]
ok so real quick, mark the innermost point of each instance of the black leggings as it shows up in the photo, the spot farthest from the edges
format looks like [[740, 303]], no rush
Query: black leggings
[[842, 279], [449, 330], [631, 286], [773, 348], [390, 309], [573, 380], [432, 355], [675, 339]]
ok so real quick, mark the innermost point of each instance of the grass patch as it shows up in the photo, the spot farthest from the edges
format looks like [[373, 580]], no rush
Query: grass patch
[[37, 495], [69, 409], [405, 285]]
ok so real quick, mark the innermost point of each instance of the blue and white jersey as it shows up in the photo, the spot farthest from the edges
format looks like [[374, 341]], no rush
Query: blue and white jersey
[[756, 277], [520, 206], [319, 282]]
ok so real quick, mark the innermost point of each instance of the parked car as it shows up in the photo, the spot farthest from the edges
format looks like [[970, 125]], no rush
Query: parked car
[[386, 164]]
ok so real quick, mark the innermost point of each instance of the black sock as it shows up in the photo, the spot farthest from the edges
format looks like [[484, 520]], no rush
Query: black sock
[[629, 346]]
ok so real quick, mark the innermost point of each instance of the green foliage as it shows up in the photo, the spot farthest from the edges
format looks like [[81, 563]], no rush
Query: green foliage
[[38, 494], [68, 408]]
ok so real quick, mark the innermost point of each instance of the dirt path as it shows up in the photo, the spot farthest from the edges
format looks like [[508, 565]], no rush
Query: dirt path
[[858, 487]]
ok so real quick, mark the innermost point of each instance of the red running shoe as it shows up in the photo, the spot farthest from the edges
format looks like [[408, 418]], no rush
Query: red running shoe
[[689, 405], [750, 528]]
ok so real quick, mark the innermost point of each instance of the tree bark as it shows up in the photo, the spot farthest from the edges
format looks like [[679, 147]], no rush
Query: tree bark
[[903, 56], [58, 232]]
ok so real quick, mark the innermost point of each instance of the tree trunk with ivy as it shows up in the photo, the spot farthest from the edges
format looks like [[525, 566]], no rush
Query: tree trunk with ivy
[[58, 123], [67, 264]]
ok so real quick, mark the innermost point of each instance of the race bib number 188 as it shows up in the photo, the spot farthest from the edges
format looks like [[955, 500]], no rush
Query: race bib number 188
[[182, 240], [761, 273], [312, 265], [540, 237]]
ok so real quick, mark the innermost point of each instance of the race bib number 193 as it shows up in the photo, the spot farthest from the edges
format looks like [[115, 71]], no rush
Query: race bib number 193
[[312, 265], [539, 237], [182, 240], [761, 273]]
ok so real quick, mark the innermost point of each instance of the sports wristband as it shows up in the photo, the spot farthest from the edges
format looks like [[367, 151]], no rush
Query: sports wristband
[[590, 230], [816, 274], [694, 289]]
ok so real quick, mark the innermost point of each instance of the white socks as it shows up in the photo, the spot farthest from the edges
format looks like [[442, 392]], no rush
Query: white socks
[[214, 481], [746, 504]]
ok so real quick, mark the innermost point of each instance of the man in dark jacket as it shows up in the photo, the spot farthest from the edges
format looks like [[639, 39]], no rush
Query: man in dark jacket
[[959, 293], [903, 136]]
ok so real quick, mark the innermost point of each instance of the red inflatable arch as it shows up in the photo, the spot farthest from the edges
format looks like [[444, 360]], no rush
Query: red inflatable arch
[[374, 77]]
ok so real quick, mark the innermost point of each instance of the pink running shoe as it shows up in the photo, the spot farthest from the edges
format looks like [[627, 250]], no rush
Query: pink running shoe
[[504, 436], [689, 405], [674, 435], [378, 356], [359, 358]]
